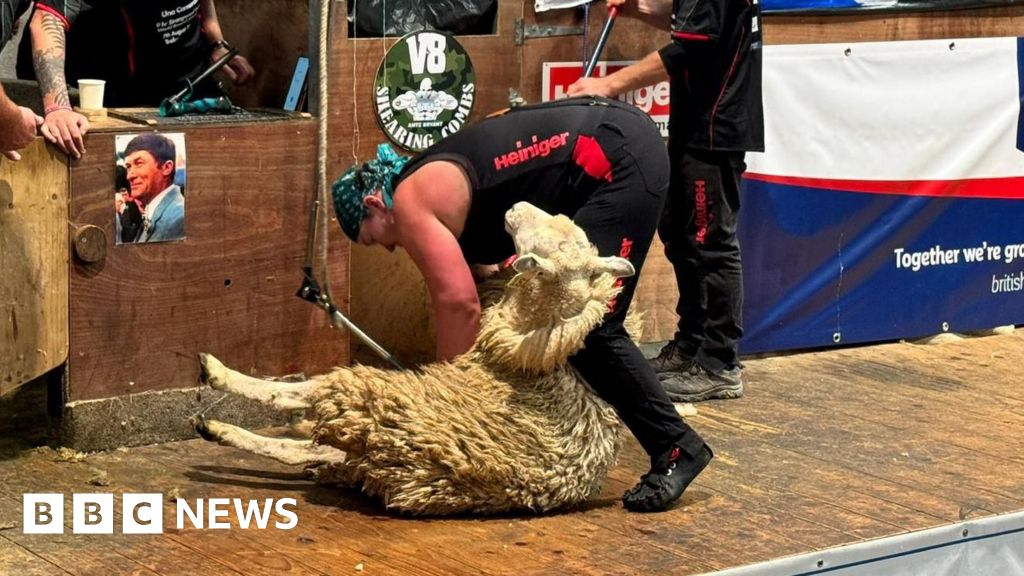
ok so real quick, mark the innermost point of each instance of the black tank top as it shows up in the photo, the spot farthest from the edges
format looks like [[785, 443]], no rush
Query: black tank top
[[524, 154]]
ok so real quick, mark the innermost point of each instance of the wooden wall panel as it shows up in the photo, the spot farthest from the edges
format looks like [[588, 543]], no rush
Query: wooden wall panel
[[33, 265], [389, 300], [629, 40], [139, 317], [271, 35]]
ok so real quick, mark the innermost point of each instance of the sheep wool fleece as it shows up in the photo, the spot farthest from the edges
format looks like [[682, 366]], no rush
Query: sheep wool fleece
[[602, 163]]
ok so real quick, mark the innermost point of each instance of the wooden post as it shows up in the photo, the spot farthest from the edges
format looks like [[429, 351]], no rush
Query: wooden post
[[33, 265]]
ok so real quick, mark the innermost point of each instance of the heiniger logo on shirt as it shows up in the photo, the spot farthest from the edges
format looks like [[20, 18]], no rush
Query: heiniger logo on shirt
[[537, 149]]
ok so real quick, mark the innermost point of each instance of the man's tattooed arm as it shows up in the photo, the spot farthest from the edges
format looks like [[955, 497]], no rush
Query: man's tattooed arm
[[61, 125], [48, 57]]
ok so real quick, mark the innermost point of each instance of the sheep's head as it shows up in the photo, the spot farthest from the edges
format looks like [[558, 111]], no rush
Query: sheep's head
[[560, 293]]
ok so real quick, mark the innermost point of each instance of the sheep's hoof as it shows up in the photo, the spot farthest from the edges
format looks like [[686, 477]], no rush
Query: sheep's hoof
[[211, 371], [204, 374], [199, 423]]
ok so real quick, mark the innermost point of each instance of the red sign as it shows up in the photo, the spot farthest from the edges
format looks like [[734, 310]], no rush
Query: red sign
[[653, 100]]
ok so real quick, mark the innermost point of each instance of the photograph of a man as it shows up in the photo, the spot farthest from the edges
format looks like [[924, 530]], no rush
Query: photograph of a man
[[154, 166]]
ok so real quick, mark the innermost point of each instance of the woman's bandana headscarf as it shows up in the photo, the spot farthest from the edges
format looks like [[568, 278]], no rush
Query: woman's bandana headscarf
[[359, 182]]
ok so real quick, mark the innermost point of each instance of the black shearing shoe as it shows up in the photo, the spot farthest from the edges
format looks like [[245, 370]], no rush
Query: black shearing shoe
[[664, 484]]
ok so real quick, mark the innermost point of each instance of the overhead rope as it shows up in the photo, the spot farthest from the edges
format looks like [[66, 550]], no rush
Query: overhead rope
[[323, 98]]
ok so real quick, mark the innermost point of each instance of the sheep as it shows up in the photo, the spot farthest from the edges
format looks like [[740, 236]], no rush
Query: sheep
[[507, 426]]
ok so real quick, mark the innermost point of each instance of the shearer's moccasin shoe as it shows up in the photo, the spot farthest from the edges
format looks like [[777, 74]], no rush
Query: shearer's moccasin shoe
[[666, 482]]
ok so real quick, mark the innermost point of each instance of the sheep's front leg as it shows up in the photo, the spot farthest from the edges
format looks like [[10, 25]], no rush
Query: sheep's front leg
[[281, 395], [284, 450]]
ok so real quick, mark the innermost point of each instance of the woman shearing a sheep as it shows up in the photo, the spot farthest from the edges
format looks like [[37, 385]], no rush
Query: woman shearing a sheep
[[598, 161]]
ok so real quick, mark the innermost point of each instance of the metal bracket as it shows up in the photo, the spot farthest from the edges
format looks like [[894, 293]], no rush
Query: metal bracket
[[524, 32]]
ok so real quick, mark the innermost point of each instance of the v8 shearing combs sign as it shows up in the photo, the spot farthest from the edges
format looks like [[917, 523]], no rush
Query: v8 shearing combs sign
[[424, 89]]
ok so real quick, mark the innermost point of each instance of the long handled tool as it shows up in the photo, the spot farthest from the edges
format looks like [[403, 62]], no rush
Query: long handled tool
[[601, 40], [311, 290]]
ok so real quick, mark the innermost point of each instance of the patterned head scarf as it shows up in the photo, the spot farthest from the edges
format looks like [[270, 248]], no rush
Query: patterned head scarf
[[360, 181]]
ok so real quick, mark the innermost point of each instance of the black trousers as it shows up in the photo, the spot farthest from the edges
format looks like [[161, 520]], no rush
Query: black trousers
[[698, 229], [620, 219]]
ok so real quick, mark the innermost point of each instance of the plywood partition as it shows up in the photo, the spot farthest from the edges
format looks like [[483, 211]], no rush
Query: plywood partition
[[629, 40], [271, 35], [389, 300], [33, 265], [140, 316]]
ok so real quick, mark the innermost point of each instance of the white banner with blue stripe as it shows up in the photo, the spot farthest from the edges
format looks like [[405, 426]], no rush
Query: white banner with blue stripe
[[890, 200]]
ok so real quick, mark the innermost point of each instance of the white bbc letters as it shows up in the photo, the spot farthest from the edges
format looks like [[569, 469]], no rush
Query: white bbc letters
[[142, 513], [43, 513], [219, 508], [92, 513]]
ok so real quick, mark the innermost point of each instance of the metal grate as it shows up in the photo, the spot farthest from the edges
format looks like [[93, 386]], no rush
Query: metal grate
[[153, 118]]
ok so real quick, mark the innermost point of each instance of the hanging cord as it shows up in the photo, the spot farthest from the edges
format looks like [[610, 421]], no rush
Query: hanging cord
[[321, 156], [355, 82], [317, 230]]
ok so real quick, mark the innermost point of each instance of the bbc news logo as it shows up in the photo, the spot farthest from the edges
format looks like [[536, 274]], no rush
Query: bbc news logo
[[144, 513]]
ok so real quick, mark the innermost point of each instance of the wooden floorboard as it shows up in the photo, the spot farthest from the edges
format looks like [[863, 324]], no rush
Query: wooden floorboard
[[15, 559], [925, 458], [825, 449], [42, 470]]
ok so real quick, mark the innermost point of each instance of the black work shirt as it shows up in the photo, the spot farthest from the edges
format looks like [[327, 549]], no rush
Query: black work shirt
[[714, 62], [10, 10], [144, 49], [532, 154]]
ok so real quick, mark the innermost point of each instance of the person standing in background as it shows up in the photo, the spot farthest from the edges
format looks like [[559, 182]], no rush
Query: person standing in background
[[17, 127], [145, 51], [713, 63]]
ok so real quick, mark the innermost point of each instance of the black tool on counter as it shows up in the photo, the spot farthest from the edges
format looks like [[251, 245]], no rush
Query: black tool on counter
[[182, 103]]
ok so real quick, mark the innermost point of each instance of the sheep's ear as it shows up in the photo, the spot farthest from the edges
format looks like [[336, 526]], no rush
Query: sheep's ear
[[533, 262], [617, 267]]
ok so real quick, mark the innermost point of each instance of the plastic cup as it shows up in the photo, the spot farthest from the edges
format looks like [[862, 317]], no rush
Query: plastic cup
[[90, 94]]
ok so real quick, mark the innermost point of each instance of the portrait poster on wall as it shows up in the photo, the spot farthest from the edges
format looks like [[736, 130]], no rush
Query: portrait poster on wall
[[149, 187]]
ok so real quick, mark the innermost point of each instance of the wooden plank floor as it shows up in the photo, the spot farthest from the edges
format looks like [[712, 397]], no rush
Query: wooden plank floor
[[824, 449]]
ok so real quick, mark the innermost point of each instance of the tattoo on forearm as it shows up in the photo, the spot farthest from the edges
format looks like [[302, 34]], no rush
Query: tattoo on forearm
[[54, 30], [49, 63]]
